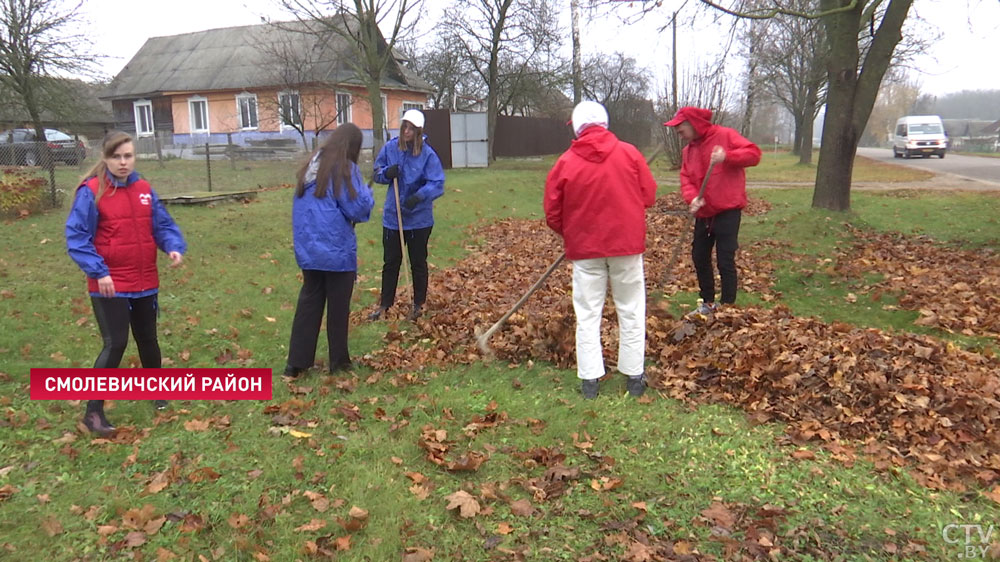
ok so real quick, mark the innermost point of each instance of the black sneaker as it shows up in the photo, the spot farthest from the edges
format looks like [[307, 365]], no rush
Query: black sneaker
[[589, 388], [636, 385], [97, 423], [160, 404], [417, 312], [292, 371], [376, 314]]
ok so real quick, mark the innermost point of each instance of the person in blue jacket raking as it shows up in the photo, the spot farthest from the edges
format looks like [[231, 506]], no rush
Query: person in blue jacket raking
[[114, 228], [330, 198], [407, 160]]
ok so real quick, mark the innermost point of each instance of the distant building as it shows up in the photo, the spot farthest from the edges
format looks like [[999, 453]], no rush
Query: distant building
[[250, 83]]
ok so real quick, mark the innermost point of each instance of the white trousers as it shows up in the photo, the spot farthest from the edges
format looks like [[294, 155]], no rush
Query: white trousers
[[628, 288]]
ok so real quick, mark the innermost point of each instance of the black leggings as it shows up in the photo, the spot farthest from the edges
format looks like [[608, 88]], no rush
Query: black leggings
[[114, 317], [392, 255], [721, 231]]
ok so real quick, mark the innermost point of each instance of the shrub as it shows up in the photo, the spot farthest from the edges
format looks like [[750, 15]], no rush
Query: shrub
[[21, 192]]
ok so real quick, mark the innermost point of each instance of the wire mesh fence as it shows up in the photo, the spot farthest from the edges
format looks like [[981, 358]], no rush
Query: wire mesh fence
[[51, 171]]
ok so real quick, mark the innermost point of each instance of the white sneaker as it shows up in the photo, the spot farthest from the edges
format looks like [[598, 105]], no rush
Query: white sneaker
[[705, 309]]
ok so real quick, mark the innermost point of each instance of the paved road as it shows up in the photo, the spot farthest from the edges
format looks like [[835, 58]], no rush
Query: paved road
[[972, 169]]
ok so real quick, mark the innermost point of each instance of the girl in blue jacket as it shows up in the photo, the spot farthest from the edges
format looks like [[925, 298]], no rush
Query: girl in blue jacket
[[410, 163], [330, 198]]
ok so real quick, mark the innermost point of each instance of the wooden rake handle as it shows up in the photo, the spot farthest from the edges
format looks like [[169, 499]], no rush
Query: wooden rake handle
[[481, 340]]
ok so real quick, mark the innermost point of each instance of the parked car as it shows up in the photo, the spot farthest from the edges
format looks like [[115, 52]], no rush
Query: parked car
[[18, 147]]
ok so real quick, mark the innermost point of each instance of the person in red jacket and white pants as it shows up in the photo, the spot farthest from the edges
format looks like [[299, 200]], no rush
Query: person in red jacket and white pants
[[596, 198], [718, 212]]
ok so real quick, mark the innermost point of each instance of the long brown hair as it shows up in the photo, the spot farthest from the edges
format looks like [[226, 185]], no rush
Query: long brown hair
[[343, 144], [418, 138], [112, 140]]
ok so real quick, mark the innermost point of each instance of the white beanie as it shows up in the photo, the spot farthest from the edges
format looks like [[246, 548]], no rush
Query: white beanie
[[587, 113], [414, 116]]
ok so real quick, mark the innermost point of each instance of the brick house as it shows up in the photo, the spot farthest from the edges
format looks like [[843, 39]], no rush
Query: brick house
[[251, 83]]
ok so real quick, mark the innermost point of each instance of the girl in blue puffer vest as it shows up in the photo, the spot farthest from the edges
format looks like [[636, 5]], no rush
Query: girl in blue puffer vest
[[410, 163], [330, 198]]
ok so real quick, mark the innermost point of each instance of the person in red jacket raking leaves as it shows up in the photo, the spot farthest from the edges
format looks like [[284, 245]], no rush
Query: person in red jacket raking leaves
[[718, 212], [596, 198]]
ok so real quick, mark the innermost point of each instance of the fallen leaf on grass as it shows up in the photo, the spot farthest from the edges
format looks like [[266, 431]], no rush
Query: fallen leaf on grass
[[417, 554], [52, 526], [467, 504], [238, 520], [197, 425], [522, 507], [312, 525], [993, 494]]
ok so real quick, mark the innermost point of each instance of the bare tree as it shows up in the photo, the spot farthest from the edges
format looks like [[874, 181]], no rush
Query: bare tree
[[310, 64], [38, 41], [791, 60], [523, 28], [448, 70], [861, 38], [897, 97], [358, 23], [534, 87]]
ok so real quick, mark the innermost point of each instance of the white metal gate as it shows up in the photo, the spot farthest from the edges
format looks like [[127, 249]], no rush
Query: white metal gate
[[469, 140]]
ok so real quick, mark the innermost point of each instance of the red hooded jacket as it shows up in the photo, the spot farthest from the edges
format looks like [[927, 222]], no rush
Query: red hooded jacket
[[596, 197], [727, 187]]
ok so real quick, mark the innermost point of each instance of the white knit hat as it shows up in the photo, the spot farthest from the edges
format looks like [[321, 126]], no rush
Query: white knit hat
[[587, 113], [414, 116]]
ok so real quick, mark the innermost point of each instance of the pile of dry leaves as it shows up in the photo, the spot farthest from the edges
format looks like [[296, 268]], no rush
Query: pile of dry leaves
[[909, 400], [953, 289]]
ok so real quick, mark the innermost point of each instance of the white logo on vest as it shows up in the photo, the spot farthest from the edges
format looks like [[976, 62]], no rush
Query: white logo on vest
[[145, 198]]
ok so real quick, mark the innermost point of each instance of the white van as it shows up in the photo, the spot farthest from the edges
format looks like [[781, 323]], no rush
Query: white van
[[919, 135]]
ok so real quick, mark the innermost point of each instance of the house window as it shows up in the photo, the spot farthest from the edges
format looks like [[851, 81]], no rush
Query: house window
[[385, 112], [343, 108], [198, 109], [290, 106], [143, 117], [246, 105]]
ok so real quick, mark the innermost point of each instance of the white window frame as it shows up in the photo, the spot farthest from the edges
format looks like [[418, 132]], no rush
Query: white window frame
[[147, 107], [192, 103], [239, 111], [344, 115], [281, 119], [385, 111]]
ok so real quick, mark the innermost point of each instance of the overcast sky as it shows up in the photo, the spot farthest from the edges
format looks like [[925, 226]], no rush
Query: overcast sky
[[964, 58]]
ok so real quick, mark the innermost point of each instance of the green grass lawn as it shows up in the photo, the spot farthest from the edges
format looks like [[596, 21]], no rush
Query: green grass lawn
[[704, 480]]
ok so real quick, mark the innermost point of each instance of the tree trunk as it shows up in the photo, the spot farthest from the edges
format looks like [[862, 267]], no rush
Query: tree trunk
[[806, 149], [797, 136], [851, 95], [577, 71], [375, 102]]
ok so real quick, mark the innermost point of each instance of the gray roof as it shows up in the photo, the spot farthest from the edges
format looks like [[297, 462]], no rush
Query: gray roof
[[235, 58]]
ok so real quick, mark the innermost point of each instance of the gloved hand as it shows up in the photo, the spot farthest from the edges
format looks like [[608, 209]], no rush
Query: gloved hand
[[411, 202], [392, 172]]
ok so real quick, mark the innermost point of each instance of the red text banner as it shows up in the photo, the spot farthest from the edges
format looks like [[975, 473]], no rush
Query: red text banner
[[151, 384]]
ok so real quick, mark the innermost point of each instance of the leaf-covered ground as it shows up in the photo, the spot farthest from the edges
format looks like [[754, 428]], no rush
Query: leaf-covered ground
[[904, 400]]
